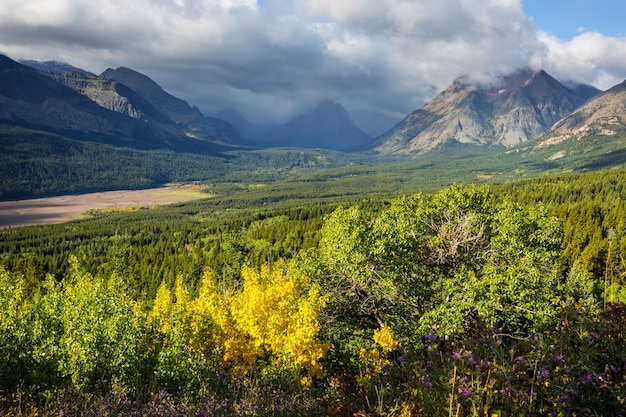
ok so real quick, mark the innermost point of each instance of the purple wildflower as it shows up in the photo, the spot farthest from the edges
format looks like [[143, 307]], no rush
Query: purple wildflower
[[428, 384], [467, 392], [588, 378], [456, 355], [559, 358], [544, 374], [520, 359], [471, 359]]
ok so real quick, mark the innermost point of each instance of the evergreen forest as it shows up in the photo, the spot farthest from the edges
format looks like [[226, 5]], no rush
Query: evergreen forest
[[323, 297]]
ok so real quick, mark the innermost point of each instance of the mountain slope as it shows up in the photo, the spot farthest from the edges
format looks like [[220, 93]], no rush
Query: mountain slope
[[28, 96], [117, 97], [327, 126], [592, 137], [89, 108], [520, 107], [192, 121], [603, 115]]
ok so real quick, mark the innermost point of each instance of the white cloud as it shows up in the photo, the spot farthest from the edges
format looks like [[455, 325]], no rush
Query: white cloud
[[588, 58]]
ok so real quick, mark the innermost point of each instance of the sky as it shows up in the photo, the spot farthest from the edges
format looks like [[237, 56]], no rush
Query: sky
[[273, 59]]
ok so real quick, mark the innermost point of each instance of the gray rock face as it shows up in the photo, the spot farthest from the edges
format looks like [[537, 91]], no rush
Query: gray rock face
[[28, 96], [518, 108], [190, 119], [111, 95], [605, 115]]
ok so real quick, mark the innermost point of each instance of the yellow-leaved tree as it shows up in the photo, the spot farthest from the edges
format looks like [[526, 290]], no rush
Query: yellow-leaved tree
[[272, 319]]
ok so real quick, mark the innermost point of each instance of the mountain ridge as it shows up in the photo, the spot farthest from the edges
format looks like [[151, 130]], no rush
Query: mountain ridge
[[192, 121], [603, 116], [64, 99]]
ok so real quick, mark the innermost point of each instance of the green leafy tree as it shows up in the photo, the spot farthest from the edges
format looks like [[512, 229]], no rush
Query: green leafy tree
[[428, 263]]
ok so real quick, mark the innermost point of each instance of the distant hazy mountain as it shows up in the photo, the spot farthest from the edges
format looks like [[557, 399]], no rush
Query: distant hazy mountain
[[252, 131], [327, 126], [193, 122], [520, 107], [585, 91]]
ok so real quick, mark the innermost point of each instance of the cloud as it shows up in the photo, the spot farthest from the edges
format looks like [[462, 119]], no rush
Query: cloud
[[587, 58], [276, 58]]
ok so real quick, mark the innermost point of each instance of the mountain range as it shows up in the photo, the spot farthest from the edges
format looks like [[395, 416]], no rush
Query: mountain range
[[123, 106]]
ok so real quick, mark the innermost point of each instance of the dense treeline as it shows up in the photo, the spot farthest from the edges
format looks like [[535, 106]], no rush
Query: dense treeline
[[36, 163], [224, 233], [156, 244], [591, 207], [471, 301]]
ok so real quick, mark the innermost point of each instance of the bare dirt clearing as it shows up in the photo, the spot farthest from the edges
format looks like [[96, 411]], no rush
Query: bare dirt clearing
[[70, 207]]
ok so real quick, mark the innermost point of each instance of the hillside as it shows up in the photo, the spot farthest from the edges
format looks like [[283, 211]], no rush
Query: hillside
[[603, 115], [192, 121], [592, 137], [505, 288], [89, 108], [117, 97]]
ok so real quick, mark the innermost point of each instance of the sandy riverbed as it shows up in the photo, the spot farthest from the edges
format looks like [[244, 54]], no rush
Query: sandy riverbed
[[70, 207]]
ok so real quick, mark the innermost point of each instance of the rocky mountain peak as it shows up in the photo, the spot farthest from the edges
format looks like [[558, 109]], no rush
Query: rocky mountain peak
[[511, 110]]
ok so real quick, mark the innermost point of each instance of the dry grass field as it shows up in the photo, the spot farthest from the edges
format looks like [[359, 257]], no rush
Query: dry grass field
[[70, 207]]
